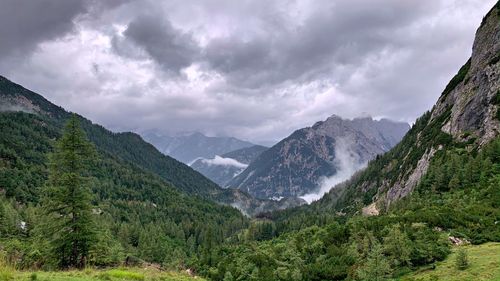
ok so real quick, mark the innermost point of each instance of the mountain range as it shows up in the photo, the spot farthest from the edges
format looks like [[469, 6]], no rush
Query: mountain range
[[437, 154], [17, 101], [190, 147]]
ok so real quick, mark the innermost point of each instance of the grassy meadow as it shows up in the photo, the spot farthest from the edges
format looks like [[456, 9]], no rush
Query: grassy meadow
[[119, 274], [484, 265]]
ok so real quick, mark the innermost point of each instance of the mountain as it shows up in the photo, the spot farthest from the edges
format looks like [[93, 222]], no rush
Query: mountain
[[188, 148], [221, 169], [452, 145], [296, 165], [465, 116]]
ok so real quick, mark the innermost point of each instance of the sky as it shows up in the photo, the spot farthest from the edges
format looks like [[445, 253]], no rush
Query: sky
[[252, 69]]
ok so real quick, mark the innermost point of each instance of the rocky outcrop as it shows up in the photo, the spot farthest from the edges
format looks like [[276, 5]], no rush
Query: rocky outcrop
[[471, 101], [466, 117], [406, 185]]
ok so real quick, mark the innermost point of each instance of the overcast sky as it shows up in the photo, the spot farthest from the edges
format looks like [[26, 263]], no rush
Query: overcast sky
[[255, 69]]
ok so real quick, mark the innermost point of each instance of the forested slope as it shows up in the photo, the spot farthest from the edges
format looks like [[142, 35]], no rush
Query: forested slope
[[140, 213]]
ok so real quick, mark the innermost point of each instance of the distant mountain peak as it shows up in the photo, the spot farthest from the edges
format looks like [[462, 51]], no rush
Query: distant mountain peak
[[191, 146]]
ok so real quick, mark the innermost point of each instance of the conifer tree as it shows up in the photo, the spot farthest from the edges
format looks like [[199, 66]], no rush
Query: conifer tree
[[376, 268], [71, 227], [462, 260]]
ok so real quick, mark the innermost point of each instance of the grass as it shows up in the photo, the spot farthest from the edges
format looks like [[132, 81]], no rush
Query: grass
[[119, 274], [484, 265]]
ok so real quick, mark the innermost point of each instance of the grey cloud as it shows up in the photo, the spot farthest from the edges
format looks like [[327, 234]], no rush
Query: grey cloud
[[339, 32], [171, 48], [260, 68], [25, 23]]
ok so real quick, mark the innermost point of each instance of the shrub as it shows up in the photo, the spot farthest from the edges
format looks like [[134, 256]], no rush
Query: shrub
[[462, 259]]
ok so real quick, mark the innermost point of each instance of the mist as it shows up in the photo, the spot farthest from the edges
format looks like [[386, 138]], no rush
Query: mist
[[347, 163], [221, 161], [15, 108]]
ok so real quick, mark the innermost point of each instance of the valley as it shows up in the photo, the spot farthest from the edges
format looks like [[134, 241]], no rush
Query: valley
[[345, 198]]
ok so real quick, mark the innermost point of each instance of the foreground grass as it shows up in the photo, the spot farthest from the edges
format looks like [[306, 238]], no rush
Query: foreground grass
[[484, 266], [126, 274]]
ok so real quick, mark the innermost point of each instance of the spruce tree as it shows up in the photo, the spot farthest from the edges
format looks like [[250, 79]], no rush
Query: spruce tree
[[71, 226], [462, 260]]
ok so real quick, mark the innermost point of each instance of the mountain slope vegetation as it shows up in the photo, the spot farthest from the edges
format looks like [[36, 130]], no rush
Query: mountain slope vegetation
[[128, 147]]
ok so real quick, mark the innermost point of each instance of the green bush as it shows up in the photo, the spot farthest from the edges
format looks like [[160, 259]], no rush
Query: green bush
[[462, 259]]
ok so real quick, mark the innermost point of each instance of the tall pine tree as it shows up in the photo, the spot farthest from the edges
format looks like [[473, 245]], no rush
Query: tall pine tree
[[71, 227]]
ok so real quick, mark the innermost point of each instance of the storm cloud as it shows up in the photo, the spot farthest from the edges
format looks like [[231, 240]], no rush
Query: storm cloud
[[251, 69], [24, 24]]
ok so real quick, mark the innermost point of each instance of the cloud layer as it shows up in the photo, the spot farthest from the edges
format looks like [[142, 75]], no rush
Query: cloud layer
[[251, 69]]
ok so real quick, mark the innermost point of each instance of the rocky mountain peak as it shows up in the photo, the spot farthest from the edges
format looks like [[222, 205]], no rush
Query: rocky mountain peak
[[472, 96]]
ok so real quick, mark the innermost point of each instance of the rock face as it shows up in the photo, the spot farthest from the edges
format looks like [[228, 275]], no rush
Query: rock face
[[467, 113], [295, 165], [188, 148], [470, 99], [221, 169]]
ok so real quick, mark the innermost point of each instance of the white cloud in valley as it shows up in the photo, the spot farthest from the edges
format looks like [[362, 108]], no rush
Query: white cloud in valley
[[221, 161]]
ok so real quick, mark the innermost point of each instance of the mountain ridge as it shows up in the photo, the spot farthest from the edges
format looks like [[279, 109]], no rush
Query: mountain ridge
[[188, 148]]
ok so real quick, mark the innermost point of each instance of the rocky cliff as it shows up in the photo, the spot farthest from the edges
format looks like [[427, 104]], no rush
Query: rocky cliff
[[466, 116]]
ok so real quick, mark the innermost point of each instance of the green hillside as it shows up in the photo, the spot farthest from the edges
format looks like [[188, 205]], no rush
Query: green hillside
[[140, 214], [127, 146]]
